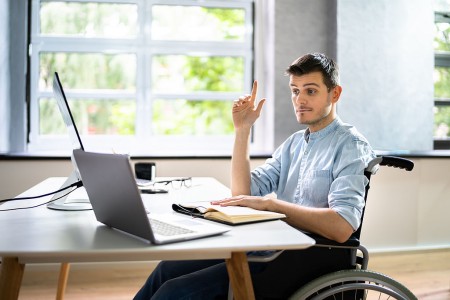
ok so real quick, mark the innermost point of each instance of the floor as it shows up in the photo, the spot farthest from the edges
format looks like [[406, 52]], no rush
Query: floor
[[425, 273]]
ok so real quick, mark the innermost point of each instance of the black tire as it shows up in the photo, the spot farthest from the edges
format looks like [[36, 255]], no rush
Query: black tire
[[353, 284]]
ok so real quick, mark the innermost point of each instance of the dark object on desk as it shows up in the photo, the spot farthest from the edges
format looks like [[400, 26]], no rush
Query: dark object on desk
[[145, 171], [154, 191]]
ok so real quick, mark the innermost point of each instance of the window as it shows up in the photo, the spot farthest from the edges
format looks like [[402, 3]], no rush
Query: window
[[148, 77], [442, 75]]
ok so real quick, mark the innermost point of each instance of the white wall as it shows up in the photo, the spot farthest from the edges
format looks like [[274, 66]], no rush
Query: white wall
[[409, 209], [406, 210]]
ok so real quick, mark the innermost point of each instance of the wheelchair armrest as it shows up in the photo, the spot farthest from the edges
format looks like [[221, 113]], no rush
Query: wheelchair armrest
[[397, 162], [352, 242]]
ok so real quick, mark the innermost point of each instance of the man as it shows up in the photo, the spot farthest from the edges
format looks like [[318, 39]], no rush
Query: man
[[317, 175]]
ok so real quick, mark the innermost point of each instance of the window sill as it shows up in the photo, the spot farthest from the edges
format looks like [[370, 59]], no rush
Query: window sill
[[64, 156]]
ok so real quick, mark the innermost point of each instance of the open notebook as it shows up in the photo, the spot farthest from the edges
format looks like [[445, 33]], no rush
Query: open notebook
[[231, 215]]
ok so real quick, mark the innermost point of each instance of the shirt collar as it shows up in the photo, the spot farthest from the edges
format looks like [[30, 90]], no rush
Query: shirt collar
[[308, 135]]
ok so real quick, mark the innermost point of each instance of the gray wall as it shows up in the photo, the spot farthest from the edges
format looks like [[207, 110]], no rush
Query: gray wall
[[384, 50], [4, 75], [301, 26]]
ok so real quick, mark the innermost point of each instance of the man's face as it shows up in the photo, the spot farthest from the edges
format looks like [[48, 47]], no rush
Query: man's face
[[314, 105]]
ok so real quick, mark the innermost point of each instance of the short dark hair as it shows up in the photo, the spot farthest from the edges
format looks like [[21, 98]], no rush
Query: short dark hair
[[314, 62]]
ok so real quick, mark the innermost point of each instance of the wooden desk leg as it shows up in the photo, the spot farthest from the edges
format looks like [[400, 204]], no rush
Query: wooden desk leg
[[239, 274], [11, 278], [62, 281]]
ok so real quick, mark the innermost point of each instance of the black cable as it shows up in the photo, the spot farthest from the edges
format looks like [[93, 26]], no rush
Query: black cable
[[37, 205], [75, 184]]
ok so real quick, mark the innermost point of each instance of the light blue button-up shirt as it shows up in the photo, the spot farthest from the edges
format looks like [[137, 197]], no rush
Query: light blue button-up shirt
[[319, 169]]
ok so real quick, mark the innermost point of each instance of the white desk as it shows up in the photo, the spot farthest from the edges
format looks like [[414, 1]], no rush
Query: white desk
[[41, 235]]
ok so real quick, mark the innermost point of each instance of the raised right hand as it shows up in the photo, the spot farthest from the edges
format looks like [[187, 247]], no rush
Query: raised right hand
[[244, 112]]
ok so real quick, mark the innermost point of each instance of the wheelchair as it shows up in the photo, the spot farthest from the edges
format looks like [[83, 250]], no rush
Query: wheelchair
[[358, 282]]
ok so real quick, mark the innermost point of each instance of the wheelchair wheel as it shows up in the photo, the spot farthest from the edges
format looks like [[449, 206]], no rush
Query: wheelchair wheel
[[353, 284]]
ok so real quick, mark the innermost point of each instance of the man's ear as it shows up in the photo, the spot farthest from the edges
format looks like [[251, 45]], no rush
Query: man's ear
[[336, 93]]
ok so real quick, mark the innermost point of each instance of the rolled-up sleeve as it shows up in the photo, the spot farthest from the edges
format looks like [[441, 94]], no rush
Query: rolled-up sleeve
[[264, 179], [347, 190]]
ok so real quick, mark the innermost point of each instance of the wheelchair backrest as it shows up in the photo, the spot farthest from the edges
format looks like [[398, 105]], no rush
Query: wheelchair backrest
[[372, 168]]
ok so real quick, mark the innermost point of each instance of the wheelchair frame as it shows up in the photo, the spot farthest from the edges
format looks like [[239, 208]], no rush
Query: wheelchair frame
[[361, 281]]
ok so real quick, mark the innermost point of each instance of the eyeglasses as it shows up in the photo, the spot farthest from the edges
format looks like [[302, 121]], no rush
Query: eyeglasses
[[176, 183]]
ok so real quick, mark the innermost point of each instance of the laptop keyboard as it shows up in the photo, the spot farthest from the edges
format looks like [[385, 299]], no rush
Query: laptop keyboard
[[166, 229]]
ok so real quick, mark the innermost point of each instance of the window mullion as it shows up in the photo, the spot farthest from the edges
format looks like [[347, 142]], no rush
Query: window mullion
[[143, 101]]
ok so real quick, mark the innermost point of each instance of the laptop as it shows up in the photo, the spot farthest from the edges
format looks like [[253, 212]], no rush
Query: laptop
[[116, 201], [61, 201]]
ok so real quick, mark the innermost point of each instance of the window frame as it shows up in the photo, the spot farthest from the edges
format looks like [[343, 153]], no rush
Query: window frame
[[144, 47], [441, 59]]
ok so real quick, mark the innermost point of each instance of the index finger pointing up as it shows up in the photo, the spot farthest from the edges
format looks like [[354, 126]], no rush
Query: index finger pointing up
[[254, 91]]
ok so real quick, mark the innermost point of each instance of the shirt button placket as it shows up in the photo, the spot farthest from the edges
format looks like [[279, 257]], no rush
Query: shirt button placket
[[298, 192]]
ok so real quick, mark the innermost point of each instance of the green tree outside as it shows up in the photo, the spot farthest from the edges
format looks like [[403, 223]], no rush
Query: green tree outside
[[117, 72]]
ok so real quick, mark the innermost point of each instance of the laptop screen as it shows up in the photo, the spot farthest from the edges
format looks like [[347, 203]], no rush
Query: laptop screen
[[66, 113]]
